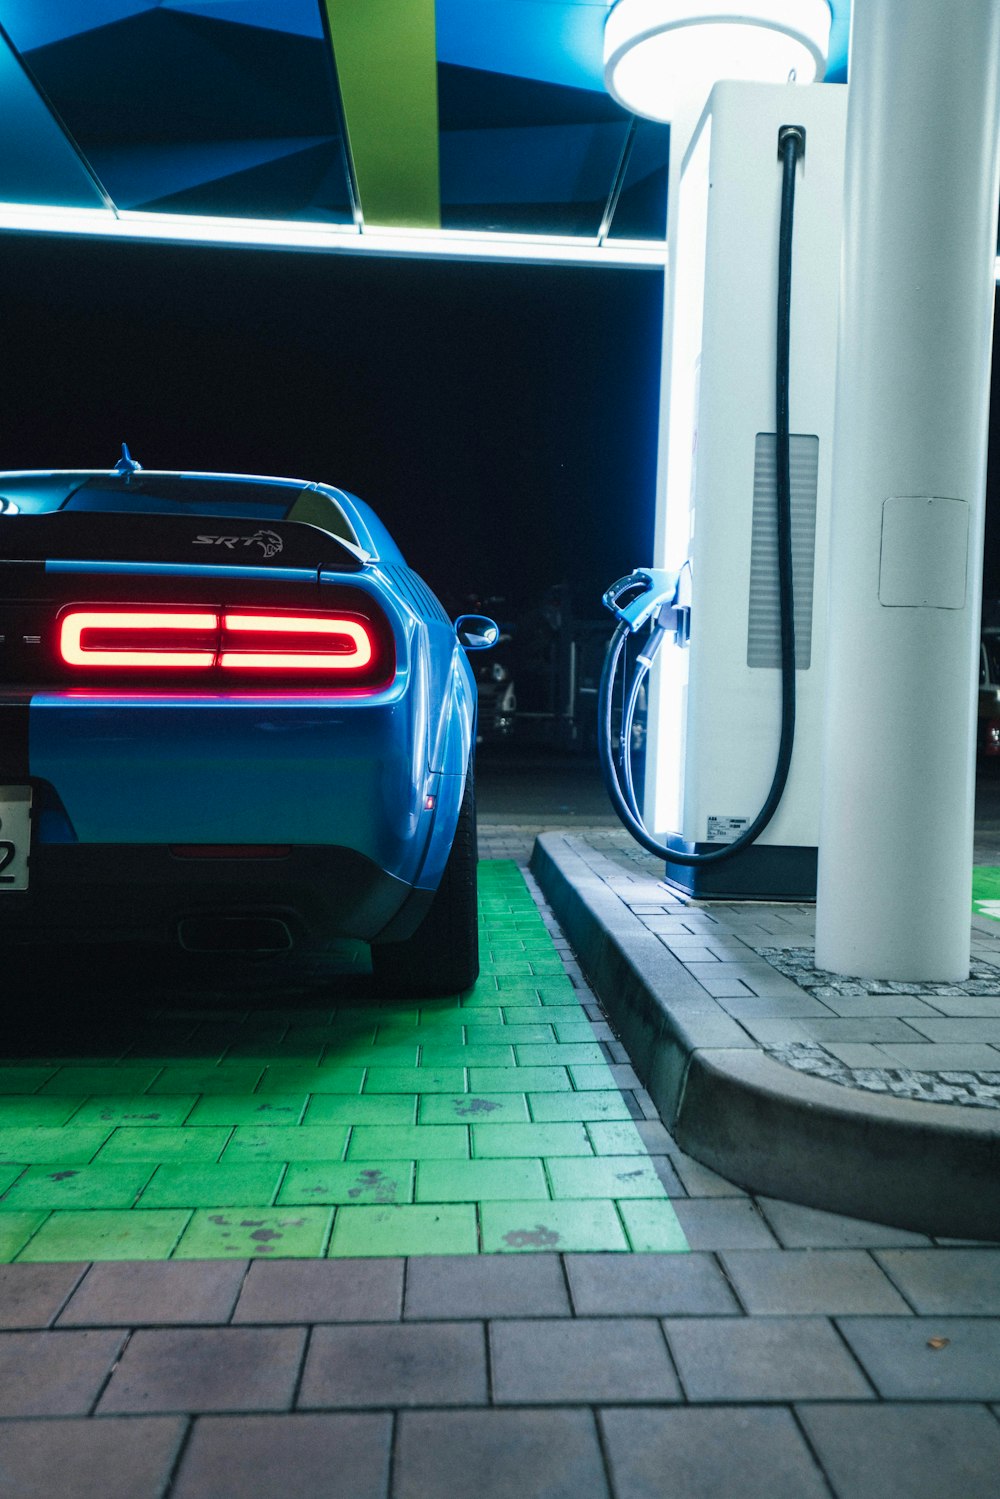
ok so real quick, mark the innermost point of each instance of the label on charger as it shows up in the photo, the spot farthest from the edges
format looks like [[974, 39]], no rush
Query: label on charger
[[725, 829]]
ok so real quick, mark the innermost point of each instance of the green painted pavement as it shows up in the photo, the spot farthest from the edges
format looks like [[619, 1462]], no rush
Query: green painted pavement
[[986, 891], [488, 1122]]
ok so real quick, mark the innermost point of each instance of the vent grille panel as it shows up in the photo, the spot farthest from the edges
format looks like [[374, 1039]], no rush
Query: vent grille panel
[[764, 627]]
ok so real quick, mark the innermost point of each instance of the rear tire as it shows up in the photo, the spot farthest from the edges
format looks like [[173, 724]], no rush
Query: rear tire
[[442, 956]]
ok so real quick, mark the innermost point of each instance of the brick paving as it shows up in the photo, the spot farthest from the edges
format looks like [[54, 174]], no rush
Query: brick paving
[[788, 1353]]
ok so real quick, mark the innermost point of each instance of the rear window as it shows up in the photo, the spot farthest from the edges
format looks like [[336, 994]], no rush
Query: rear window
[[161, 495]]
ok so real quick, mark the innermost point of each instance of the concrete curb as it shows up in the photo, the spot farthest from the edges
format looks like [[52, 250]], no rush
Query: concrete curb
[[933, 1168]]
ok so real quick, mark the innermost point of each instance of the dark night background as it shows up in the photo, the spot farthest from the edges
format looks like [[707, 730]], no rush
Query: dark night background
[[500, 418]]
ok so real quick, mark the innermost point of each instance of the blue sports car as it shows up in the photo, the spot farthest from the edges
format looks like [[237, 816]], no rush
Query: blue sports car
[[232, 717]]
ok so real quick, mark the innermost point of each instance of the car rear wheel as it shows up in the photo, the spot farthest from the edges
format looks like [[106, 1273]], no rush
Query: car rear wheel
[[442, 956]]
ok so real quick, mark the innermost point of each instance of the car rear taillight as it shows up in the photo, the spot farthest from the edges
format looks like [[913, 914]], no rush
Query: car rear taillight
[[138, 638], [279, 642], [345, 650]]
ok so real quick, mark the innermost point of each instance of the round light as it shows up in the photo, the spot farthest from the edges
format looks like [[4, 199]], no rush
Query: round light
[[662, 57]]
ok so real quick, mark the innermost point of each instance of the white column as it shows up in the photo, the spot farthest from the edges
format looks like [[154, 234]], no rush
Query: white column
[[916, 320]]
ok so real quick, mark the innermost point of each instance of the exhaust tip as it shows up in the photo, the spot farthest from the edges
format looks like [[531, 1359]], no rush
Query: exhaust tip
[[235, 934]]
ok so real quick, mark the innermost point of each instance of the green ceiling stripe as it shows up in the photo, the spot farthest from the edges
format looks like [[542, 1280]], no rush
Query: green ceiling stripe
[[386, 56]]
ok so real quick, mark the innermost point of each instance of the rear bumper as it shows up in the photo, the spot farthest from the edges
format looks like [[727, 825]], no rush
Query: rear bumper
[[95, 892]]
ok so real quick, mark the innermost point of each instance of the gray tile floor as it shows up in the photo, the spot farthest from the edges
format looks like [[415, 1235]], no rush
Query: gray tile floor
[[792, 1354]]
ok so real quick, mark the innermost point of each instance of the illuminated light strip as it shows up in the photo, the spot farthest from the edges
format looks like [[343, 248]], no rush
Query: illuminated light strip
[[75, 653], [301, 660], [344, 239]]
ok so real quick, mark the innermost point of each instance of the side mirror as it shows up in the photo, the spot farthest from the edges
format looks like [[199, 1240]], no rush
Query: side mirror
[[476, 632]]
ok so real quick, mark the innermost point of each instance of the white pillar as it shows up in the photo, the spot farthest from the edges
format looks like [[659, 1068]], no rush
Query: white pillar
[[916, 319]]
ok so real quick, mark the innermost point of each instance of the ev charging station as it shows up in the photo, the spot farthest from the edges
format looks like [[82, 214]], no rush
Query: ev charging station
[[715, 712], [879, 457]]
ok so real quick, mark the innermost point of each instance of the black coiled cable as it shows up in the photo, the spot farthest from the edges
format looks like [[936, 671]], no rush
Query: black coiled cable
[[618, 778]]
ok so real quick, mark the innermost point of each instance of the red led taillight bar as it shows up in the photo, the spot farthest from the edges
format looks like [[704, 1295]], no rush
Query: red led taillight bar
[[137, 637], [357, 657], [261, 642]]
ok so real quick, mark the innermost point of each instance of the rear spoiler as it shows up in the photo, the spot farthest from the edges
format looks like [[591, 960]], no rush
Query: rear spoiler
[[95, 536]]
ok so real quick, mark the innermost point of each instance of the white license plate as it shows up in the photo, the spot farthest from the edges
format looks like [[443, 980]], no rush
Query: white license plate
[[15, 837]]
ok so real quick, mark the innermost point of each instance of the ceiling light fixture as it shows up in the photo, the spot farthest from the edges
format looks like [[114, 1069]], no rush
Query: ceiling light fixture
[[339, 239], [662, 57]]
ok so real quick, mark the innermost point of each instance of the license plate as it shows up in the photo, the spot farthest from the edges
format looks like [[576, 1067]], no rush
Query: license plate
[[15, 837]]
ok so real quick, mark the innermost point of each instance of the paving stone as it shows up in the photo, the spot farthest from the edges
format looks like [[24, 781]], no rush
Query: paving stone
[[610, 1285], [518, 1080], [406, 1364], [279, 1142], [559, 1054], [347, 1182], [652, 1225], [341, 1290], [245, 1232], [946, 1281], [100, 1234], [486, 1286], [871, 1005], [906, 1451], [314, 1456], [25, 1080], [527, 1227], [31, 1295], [513, 1140], [43, 1143], [351, 1108], [82, 1082], [859, 1054], [198, 1080], [826, 1282], [151, 1293], [65, 1186], [481, 1181], [723, 1223], [77, 1458], [757, 1453], [899, 1358], [150, 1143], [938, 1057], [16, 1229], [421, 1228], [469, 1108], [616, 1137], [198, 1185], [800, 1227], [205, 1369], [54, 1373], [327, 1079], [22, 1110], [404, 1142], [960, 1031], [556, 1108], [604, 1176], [767, 1358], [499, 1454], [139, 1109], [252, 1108], [457, 1054], [699, 1180], [580, 1361], [415, 1080]]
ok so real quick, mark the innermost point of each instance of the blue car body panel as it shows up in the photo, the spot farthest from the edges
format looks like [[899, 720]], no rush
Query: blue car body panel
[[378, 773]]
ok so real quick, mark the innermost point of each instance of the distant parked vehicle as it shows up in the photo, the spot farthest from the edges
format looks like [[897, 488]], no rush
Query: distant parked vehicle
[[988, 736]]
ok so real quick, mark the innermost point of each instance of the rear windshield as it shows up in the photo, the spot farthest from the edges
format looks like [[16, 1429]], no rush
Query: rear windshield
[[161, 495]]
